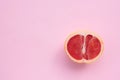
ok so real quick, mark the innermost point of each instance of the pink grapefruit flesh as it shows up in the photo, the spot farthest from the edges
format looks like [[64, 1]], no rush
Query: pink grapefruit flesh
[[74, 46]]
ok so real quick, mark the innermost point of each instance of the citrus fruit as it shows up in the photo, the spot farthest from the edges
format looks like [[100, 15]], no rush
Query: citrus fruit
[[83, 47]]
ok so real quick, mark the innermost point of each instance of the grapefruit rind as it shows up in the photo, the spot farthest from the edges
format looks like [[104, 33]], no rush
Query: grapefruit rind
[[84, 33]]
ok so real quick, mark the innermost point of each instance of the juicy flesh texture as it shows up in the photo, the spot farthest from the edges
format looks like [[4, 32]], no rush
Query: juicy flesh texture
[[89, 43], [74, 46]]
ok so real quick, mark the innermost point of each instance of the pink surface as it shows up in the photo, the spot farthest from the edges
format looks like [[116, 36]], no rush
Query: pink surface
[[32, 34]]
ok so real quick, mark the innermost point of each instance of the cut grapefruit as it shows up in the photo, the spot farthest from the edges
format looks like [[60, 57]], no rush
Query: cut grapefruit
[[83, 47]]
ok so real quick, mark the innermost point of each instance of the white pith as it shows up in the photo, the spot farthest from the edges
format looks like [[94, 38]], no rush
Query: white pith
[[84, 48], [84, 33]]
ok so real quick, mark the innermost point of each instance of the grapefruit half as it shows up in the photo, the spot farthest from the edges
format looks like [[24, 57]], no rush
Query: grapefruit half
[[83, 47]]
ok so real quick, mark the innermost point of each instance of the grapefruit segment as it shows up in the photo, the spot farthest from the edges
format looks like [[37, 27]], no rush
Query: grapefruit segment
[[93, 48], [74, 46]]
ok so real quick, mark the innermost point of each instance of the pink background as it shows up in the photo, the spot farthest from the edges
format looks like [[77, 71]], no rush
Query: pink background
[[32, 34]]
